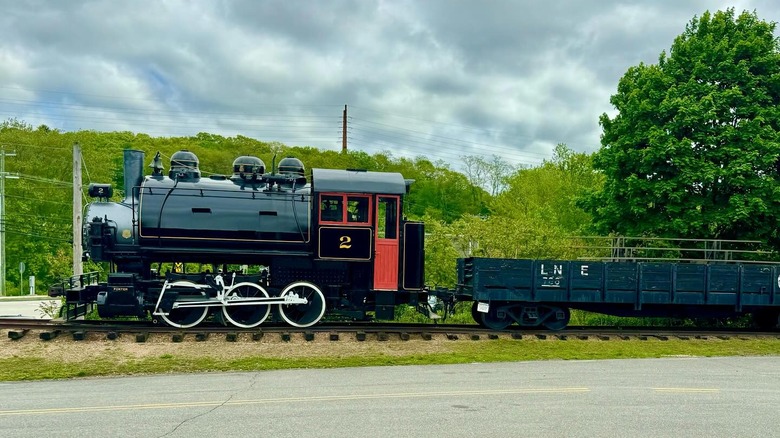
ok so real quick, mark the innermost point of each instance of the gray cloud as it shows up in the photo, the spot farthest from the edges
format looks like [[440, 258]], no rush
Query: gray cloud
[[435, 78]]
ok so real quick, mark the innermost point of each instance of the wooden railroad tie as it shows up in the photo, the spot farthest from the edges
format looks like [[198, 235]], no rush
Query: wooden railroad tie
[[17, 334], [48, 335]]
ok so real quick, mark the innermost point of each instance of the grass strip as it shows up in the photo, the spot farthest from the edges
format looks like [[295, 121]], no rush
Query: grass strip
[[115, 361]]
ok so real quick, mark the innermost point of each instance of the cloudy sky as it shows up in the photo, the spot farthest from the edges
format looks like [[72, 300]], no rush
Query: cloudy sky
[[442, 79]]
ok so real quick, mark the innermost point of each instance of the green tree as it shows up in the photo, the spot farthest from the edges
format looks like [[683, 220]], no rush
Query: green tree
[[550, 192], [490, 175], [693, 150], [535, 215], [440, 253]]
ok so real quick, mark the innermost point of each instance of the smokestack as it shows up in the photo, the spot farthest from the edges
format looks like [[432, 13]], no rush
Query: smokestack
[[134, 173]]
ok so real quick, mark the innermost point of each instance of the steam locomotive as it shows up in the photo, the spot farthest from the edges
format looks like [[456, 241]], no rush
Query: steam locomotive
[[338, 243]]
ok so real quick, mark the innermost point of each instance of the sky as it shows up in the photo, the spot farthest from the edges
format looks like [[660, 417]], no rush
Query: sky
[[433, 78]]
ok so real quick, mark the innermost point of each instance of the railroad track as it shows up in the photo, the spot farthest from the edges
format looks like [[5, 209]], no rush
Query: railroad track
[[45, 330]]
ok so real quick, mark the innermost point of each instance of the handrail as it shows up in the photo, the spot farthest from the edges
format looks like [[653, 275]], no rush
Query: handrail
[[82, 280]]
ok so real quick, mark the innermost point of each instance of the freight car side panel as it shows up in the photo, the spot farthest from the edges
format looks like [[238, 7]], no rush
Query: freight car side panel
[[690, 282], [587, 282], [633, 284], [499, 279]]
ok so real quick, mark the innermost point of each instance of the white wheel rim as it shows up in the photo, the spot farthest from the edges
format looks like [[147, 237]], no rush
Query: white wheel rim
[[198, 320], [226, 313], [289, 289]]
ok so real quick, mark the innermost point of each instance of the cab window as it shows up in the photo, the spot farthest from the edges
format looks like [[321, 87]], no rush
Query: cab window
[[331, 208], [345, 209], [357, 209]]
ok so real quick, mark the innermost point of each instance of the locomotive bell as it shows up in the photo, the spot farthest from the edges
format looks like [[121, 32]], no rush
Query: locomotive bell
[[157, 166]]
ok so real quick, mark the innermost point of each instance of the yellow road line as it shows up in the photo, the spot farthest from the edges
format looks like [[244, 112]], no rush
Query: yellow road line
[[687, 390], [325, 398]]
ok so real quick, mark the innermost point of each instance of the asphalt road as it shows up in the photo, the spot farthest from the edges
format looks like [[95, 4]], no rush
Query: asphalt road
[[24, 307], [713, 397]]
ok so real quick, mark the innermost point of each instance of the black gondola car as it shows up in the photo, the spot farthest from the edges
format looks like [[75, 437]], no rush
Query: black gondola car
[[541, 292]]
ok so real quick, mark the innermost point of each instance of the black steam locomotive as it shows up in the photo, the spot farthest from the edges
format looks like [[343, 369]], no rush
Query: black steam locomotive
[[339, 243]]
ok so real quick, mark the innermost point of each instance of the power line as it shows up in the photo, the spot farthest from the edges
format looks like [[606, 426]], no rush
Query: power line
[[43, 219], [54, 239], [146, 99], [416, 137], [46, 180], [433, 137], [27, 198], [36, 146], [442, 149]]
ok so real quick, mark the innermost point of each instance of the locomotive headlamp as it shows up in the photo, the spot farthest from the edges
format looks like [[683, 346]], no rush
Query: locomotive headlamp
[[100, 190]]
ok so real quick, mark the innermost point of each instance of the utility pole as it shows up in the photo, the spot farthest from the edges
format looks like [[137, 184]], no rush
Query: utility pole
[[344, 131], [3, 176], [78, 267]]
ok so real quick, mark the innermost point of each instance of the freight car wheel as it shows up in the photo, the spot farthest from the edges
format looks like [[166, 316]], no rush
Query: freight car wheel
[[247, 315], [495, 320], [303, 315], [558, 318], [188, 316]]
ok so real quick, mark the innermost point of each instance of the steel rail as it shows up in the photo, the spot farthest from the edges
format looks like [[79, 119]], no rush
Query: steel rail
[[18, 327]]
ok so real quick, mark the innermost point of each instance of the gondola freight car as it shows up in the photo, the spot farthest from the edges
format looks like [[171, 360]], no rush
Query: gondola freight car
[[542, 292]]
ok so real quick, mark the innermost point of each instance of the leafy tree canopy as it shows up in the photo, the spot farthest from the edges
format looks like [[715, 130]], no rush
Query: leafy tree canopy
[[693, 150], [551, 191]]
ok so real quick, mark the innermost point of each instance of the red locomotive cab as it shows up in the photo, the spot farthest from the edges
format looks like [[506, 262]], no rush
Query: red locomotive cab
[[362, 233]]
